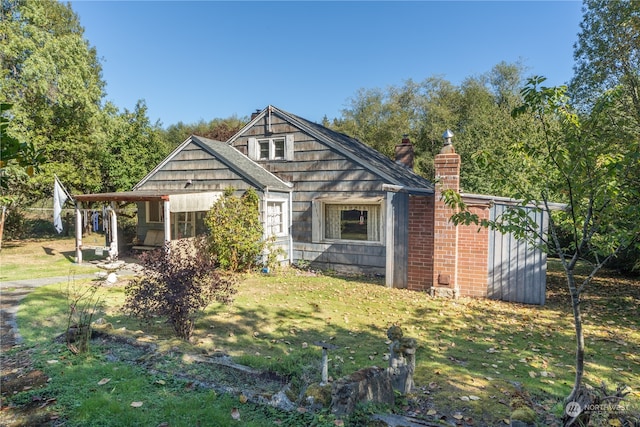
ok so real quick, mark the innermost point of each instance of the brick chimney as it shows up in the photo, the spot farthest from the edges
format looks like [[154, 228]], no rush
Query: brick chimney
[[404, 153], [445, 254]]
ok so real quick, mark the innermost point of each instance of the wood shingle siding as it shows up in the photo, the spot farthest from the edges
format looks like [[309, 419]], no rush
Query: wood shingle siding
[[329, 165]]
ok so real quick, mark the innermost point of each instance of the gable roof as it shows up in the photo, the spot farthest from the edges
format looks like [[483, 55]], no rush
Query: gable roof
[[367, 157], [233, 159]]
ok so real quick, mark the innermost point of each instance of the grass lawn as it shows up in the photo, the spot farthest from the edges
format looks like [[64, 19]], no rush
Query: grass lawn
[[473, 357], [45, 258]]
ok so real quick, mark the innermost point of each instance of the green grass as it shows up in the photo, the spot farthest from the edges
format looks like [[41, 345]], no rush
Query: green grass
[[467, 347], [46, 258]]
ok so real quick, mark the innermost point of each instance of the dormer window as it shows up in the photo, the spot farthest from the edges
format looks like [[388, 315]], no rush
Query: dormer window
[[271, 148], [274, 148]]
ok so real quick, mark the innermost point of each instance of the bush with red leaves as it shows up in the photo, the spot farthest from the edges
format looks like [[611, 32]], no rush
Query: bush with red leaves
[[179, 282]]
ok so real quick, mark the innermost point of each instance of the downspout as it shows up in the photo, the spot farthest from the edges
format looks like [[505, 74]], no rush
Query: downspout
[[265, 231], [290, 227]]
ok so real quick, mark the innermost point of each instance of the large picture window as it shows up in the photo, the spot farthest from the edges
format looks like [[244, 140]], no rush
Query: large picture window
[[352, 222]]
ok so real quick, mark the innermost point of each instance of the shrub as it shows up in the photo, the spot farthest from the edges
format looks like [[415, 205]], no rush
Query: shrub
[[235, 231], [84, 302], [178, 283]]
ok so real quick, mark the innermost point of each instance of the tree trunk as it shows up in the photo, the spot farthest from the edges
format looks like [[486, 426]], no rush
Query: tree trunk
[[584, 399], [577, 320], [4, 209]]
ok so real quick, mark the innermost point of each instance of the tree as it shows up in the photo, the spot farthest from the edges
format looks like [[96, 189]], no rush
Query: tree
[[18, 160], [131, 147], [582, 163], [419, 110], [607, 56], [15, 153], [478, 111], [607, 53], [53, 78], [217, 129], [235, 231]]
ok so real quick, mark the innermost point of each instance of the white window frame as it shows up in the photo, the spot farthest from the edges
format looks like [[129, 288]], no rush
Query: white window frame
[[284, 217], [319, 212], [160, 212], [178, 227], [255, 152]]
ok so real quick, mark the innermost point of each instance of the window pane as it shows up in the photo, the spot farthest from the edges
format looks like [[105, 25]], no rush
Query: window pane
[[264, 149], [155, 211], [353, 224], [278, 145], [274, 218]]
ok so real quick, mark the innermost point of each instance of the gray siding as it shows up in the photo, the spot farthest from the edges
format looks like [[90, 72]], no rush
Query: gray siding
[[195, 164], [397, 239], [317, 171], [517, 269]]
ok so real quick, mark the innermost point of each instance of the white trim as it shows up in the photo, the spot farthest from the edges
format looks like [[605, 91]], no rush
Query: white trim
[[254, 147], [194, 202], [167, 221], [318, 219], [404, 189], [284, 221]]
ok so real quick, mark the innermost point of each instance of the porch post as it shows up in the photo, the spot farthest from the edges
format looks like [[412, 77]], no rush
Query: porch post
[[167, 220], [389, 276], [113, 250], [78, 233]]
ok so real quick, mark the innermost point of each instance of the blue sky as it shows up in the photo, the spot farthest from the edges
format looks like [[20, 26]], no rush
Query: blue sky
[[210, 59]]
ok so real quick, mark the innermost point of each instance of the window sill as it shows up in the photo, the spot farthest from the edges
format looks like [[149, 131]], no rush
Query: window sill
[[351, 242]]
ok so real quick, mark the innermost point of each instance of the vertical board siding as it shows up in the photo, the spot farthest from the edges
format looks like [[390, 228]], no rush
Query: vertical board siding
[[397, 240], [516, 268]]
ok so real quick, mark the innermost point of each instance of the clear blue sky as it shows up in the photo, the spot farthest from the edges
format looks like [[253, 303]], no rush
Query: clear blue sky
[[209, 59]]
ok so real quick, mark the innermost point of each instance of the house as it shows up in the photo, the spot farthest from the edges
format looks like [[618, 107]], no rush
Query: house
[[336, 203]]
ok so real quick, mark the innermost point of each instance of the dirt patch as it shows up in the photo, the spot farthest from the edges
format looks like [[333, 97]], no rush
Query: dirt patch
[[227, 377], [18, 376]]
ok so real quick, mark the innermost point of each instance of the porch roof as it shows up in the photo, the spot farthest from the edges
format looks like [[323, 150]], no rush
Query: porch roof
[[131, 196]]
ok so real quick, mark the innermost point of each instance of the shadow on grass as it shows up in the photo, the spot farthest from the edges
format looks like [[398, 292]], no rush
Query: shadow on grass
[[467, 347]]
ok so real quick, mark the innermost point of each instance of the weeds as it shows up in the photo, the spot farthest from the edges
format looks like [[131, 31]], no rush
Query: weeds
[[83, 302]]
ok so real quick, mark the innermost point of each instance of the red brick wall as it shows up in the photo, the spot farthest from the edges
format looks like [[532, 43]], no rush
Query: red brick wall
[[445, 252], [420, 253], [473, 252], [438, 250]]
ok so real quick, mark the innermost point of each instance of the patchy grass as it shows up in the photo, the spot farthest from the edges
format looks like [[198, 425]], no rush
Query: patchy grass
[[474, 355], [33, 259]]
